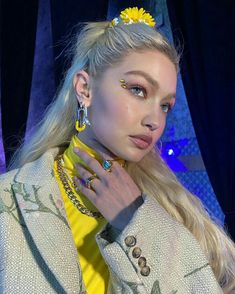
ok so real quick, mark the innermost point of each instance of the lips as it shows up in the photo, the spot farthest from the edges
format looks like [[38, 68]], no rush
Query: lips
[[145, 138]]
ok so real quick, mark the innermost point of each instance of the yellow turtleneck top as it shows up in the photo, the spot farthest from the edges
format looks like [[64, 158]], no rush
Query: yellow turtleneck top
[[84, 228]]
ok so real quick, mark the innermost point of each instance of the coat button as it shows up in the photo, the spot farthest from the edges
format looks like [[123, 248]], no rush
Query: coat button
[[130, 241], [145, 270], [142, 261], [136, 252]]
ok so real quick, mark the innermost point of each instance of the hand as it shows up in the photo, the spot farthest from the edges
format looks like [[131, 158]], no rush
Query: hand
[[114, 193]]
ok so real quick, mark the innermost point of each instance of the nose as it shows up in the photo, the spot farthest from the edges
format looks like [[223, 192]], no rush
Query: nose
[[152, 120], [152, 126]]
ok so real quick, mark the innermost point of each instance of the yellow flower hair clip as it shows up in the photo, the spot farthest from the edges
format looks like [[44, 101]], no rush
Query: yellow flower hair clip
[[133, 15]]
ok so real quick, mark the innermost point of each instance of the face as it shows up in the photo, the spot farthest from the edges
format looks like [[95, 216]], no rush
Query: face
[[136, 106]]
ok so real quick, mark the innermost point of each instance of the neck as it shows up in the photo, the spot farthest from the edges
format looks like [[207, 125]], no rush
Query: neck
[[93, 143], [92, 147]]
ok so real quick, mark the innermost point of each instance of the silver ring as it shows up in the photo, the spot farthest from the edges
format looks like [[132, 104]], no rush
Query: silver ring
[[89, 180]]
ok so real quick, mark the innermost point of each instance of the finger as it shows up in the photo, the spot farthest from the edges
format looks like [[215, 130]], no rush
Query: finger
[[92, 163], [82, 172], [84, 175], [106, 156], [117, 162], [78, 183], [80, 187]]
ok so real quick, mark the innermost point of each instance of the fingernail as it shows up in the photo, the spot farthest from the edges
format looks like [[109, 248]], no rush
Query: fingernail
[[77, 183], [76, 150]]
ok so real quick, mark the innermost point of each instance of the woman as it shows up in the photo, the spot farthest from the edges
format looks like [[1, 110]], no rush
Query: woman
[[93, 207]]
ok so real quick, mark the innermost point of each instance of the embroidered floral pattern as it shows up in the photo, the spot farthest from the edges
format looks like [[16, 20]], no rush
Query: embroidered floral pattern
[[11, 208], [196, 270], [31, 205], [155, 289], [156, 286]]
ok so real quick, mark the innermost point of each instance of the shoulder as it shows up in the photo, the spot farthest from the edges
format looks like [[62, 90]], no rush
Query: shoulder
[[31, 172], [7, 177], [18, 186]]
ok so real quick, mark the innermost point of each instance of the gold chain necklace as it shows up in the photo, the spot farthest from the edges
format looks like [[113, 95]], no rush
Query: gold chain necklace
[[70, 194]]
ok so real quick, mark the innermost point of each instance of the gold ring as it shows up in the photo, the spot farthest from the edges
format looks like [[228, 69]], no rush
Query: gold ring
[[107, 164]]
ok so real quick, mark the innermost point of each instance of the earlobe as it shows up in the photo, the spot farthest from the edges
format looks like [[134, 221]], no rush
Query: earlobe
[[79, 99]]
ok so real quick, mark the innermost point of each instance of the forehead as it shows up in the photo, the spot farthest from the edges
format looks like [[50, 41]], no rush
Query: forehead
[[144, 55]]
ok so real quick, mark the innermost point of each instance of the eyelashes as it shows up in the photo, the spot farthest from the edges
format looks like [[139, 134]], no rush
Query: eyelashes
[[140, 88], [166, 107]]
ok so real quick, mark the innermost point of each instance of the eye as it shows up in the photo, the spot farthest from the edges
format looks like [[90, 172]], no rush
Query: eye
[[138, 89], [166, 107]]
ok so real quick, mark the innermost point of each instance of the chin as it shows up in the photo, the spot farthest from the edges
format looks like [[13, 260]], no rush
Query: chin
[[134, 157], [129, 153]]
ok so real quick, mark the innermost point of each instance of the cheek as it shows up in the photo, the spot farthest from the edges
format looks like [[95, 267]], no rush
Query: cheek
[[112, 112], [162, 126]]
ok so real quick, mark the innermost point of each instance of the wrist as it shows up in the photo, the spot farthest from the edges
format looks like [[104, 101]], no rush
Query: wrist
[[125, 216]]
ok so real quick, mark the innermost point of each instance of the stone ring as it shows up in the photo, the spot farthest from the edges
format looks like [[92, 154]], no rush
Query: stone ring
[[107, 165], [89, 180]]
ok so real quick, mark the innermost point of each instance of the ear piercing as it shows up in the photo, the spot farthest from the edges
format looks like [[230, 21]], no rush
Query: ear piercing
[[82, 118], [123, 83]]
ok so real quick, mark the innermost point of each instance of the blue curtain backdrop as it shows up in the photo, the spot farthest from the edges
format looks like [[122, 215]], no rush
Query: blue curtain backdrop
[[208, 73], [34, 39]]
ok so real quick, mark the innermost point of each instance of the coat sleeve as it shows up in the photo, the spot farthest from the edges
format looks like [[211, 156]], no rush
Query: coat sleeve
[[155, 254]]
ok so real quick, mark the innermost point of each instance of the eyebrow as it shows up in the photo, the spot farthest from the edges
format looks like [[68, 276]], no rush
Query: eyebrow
[[148, 78]]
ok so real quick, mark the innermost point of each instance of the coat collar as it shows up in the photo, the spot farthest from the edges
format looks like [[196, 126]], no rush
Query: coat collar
[[41, 205], [38, 171]]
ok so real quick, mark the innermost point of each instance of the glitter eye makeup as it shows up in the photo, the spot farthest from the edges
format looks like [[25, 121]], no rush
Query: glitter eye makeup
[[134, 86], [167, 107], [123, 83]]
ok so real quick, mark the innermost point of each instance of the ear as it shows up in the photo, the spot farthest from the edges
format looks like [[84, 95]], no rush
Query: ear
[[81, 83]]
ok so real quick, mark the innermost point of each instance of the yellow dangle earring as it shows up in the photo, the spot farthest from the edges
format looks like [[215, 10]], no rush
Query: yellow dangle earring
[[82, 119]]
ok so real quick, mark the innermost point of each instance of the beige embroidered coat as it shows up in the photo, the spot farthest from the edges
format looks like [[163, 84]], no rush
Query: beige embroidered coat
[[38, 255]]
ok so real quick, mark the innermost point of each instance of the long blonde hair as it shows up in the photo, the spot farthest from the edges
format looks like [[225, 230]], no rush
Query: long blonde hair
[[97, 48]]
